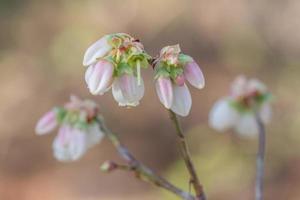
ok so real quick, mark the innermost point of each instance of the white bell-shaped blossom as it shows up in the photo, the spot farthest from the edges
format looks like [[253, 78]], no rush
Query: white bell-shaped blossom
[[248, 99], [115, 61], [222, 117], [172, 69], [79, 128]]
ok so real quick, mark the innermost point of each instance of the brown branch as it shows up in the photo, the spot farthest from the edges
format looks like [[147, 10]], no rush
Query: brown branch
[[142, 171], [194, 180]]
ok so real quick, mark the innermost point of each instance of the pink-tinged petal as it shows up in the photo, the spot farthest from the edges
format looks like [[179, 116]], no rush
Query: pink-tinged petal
[[88, 73], [74, 103], [78, 144], [179, 80], [194, 75], [164, 91], [70, 144], [255, 85], [94, 135], [222, 116], [266, 113], [64, 135], [97, 50], [182, 101], [247, 125], [47, 123], [239, 87], [127, 91], [99, 77], [117, 93]]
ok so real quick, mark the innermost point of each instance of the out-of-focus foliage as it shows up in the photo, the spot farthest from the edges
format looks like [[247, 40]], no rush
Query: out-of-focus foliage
[[41, 49]]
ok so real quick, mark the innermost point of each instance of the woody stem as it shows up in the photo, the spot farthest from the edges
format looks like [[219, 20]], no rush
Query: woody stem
[[142, 171], [194, 180]]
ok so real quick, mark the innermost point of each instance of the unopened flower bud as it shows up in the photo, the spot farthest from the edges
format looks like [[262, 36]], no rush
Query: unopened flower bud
[[164, 91], [108, 166], [47, 123], [79, 128], [99, 77], [194, 75]]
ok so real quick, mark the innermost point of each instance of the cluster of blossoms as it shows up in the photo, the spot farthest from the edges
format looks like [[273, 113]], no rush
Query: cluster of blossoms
[[172, 68], [248, 99], [116, 60], [79, 129]]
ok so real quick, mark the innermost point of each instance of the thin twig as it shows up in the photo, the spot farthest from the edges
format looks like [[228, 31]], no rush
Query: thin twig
[[194, 180], [142, 171], [260, 159]]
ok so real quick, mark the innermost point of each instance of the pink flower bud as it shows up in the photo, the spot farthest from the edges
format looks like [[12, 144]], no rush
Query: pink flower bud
[[182, 101], [108, 166], [179, 80], [127, 91], [194, 75], [99, 77], [97, 50], [46, 124], [164, 91]]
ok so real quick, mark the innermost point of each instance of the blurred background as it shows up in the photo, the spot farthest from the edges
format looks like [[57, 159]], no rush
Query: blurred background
[[41, 49]]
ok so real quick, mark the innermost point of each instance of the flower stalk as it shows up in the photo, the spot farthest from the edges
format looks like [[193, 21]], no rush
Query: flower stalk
[[194, 180], [138, 71], [142, 172], [260, 159]]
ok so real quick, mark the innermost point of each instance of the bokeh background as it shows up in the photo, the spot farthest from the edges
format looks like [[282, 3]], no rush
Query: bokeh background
[[41, 48]]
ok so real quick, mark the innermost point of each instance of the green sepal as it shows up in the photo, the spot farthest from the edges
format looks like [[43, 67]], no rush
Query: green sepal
[[110, 59], [260, 99], [238, 106], [258, 102], [123, 68], [161, 70], [60, 114], [175, 71], [71, 118], [184, 59], [142, 57], [81, 125]]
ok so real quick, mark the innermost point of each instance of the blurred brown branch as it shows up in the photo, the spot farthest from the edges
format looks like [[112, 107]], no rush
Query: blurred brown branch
[[142, 171]]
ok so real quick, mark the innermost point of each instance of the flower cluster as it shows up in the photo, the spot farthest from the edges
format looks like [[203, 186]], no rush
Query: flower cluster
[[115, 61], [78, 128], [172, 69], [248, 99]]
